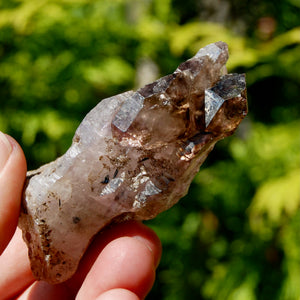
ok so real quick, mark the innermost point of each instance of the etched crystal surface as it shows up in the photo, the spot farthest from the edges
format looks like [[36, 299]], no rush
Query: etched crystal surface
[[133, 156]]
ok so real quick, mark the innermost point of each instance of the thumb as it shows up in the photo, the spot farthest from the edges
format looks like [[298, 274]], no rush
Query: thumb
[[12, 176]]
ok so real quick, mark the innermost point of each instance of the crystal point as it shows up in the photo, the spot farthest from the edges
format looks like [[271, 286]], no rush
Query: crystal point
[[211, 50], [228, 87], [133, 156]]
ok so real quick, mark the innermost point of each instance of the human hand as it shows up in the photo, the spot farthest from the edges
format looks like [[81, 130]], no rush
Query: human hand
[[119, 264]]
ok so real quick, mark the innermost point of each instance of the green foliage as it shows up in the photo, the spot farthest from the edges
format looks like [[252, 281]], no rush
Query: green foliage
[[229, 235], [236, 234]]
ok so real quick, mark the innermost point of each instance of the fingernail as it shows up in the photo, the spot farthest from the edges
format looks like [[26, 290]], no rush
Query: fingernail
[[143, 241], [5, 150]]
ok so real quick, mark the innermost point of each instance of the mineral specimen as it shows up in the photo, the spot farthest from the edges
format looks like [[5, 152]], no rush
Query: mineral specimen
[[133, 156]]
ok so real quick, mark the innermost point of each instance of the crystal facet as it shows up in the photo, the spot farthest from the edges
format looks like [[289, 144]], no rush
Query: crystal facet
[[133, 156], [128, 112], [212, 103]]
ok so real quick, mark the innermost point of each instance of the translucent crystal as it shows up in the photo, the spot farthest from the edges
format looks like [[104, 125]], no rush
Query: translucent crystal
[[133, 156]]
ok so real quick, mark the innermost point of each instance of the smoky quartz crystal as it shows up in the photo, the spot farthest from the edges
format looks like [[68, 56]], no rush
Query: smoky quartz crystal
[[133, 156]]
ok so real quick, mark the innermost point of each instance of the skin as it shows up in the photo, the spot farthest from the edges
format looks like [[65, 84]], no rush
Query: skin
[[119, 264]]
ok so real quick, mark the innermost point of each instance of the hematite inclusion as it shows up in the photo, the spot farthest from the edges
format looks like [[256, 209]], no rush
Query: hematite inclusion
[[133, 156]]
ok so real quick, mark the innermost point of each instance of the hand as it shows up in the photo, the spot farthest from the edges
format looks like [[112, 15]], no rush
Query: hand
[[119, 264]]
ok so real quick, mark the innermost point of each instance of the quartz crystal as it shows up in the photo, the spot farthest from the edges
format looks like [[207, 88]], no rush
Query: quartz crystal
[[133, 156]]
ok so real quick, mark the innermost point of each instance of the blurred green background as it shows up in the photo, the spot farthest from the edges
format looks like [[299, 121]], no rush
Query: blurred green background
[[236, 235]]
